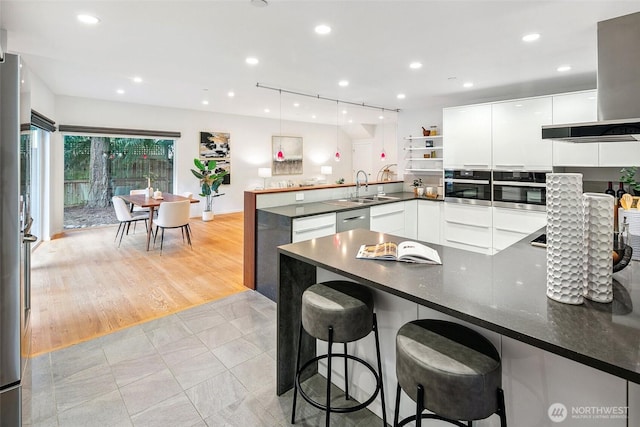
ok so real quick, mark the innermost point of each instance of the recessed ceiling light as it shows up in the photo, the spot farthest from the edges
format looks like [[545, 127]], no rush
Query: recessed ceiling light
[[350, 120], [518, 105], [381, 117], [313, 116], [564, 68], [344, 111], [88, 19], [231, 94], [401, 96], [415, 65], [343, 83], [296, 104], [322, 29], [251, 60], [467, 84], [591, 98], [205, 102], [120, 91], [266, 110], [530, 37], [137, 79]]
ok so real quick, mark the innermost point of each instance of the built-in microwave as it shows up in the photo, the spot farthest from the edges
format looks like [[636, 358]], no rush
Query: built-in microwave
[[467, 186], [520, 190]]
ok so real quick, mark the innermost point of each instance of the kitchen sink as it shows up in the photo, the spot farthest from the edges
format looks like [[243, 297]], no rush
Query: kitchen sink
[[359, 201], [379, 198]]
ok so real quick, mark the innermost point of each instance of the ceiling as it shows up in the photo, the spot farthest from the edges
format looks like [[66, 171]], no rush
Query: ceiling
[[190, 51]]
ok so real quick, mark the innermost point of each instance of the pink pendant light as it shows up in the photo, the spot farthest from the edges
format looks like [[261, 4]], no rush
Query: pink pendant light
[[337, 155], [280, 153], [383, 155]]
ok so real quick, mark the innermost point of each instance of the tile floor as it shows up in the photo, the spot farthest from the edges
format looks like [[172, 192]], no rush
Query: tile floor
[[212, 365]]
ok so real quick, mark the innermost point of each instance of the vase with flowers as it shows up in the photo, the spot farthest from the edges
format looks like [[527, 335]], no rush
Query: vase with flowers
[[210, 180]]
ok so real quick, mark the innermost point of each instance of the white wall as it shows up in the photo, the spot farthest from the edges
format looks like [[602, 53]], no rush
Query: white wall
[[250, 143]]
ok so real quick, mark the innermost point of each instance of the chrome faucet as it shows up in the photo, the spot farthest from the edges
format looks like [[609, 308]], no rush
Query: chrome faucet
[[366, 182]]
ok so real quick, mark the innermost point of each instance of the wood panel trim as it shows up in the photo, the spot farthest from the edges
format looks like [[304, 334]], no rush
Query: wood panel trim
[[249, 258]]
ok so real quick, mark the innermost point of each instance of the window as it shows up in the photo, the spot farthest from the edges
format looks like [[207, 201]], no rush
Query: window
[[99, 167]]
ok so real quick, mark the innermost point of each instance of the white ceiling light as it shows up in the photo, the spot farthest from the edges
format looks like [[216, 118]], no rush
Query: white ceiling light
[[381, 117], [266, 110], [564, 68], [88, 19], [530, 37], [231, 94], [205, 102], [468, 84], [296, 104], [251, 60], [120, 91], [322, 29], [343, 83], [137, 79], [401, 96], [415, 65], [344, 111]]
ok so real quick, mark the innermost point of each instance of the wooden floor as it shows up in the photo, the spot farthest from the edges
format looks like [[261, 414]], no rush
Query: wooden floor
[[84, 286]]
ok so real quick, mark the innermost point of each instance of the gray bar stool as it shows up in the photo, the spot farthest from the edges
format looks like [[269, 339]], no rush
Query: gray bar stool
[[338, 312], [450, 370]]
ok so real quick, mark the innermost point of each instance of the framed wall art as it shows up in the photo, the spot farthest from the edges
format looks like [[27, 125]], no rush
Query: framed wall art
[[291, 149], [215, 145]]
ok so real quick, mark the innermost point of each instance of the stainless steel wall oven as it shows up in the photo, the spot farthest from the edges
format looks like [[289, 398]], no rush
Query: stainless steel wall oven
[[467, 186], [520, 190]]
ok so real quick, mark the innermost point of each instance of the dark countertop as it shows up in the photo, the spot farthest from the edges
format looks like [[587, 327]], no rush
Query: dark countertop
[[505, 293], [316, 208]]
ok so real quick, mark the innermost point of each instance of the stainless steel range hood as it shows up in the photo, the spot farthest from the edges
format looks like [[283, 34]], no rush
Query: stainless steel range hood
[[618, 87]]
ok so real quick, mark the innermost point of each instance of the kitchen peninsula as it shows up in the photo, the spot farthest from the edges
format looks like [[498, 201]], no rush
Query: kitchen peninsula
[[580, 356], [301, 197]]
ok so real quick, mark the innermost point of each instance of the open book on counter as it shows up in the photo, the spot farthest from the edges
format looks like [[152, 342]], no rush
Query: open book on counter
[[403, 251]]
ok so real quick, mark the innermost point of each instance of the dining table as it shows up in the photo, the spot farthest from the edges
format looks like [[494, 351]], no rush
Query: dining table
[[152, 203]]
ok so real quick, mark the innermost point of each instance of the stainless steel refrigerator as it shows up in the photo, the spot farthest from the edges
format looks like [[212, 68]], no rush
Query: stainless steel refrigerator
[[15, 334]]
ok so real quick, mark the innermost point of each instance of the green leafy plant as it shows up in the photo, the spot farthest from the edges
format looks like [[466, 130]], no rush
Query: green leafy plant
[[210, 180], [628, 176], [417, 183]]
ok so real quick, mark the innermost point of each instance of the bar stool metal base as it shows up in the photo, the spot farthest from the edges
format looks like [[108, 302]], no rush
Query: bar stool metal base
[[419, 416], [329, 356]]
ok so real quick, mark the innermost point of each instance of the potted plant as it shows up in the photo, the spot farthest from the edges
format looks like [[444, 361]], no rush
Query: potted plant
[[210, 180], [628, 176], [417, 183]]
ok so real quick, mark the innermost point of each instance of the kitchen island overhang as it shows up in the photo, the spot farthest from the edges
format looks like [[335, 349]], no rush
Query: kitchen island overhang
[[504, 293]]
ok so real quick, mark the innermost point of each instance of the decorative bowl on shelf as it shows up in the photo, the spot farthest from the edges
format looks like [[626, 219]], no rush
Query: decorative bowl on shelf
[[622, 257]]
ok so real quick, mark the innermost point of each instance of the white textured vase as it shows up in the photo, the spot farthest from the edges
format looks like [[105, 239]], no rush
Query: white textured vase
[[565, 237], [598, 246]]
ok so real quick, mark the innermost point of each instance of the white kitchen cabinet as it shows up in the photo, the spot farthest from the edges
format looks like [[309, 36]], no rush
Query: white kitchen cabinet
[[311, 227], [577, 107], [517, 134], [619, 154], [467, 137], [388, 218], [512, 225], [410, 219], [430, 221], [468, 227]]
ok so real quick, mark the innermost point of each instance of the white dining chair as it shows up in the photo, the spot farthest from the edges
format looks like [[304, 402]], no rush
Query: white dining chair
[[135, 208], [173, 215], [126, 217]]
